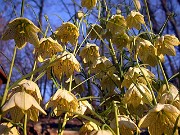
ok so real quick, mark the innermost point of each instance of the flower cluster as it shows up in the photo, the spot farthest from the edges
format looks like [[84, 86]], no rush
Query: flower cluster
[[106, 78]]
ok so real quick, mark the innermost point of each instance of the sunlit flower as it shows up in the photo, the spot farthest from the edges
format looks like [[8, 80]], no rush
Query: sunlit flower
[[29, 87], [21, 103], [161, 119], [101, 132], [8, 129], [103, 66], [66, 64], [67, 32], [120, 40], [168, 96], [126, 125], [176, 103], [88, 127], [166, 43], [116, 24], [47, 48], [22, 31], [89, 4], [90, 53], [85, 107], [134, 73], [63, 101], [110, 82], [135, 19], [135, 96], [94, 31], [147, 52]]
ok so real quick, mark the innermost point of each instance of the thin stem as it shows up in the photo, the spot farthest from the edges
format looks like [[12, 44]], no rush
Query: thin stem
[[147, 11], [108, 127], [9, 77], [63, 125], [149, 86], [34, 67], [11, 62], [40, 69], [164, 75], [112, 51], [25, 124], [83, 82], [22, 8], [116, 117]]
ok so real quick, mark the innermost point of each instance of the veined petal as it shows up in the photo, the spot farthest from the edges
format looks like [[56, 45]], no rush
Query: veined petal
[[9, 104], [22, 100], [146, 120]]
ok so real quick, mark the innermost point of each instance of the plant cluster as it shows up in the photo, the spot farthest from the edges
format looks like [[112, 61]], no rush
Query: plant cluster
[[131, 98]]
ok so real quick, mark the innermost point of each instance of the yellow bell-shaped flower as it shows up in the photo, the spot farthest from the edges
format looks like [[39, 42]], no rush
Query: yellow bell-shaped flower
[[22, 30]]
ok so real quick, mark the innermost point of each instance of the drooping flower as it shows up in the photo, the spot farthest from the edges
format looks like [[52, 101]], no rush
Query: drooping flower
[[47, 48], [88, 127], [134, 73], [168, 96], [161, 119], [135, 96], [90, 53], [31, 88], [94, 31], [110, 82], [117, 24], [67, 32], [146, 52], [63, 101], [120, 40], [66, 64], [21, 103], [85, 107], [8, 129], [22, 30], [89, 4], [166, 43], [126, 125], [135, 19], [102, 66]]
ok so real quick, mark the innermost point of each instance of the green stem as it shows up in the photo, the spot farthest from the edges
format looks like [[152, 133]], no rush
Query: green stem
[[112, 51], [105, 125], [34, 67], [63, 125], [164, 75], [116, 117], [71, 77], [25, 124], [83, 82], [22, 8], [147, 11], [11, 62], [40, 69], [9, 77], [149, 86], [89, 97]]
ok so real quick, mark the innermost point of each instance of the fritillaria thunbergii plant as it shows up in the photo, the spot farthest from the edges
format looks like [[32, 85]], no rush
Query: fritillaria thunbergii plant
[[103, 72]]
